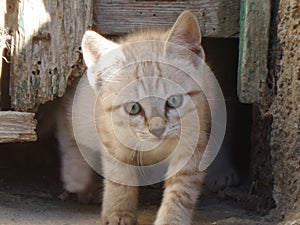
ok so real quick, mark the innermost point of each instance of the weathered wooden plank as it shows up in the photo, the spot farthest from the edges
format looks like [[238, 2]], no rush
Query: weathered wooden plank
[[2, 39], [253, 48], [219, 18], [47, 37], [5, 44], [17, 127]]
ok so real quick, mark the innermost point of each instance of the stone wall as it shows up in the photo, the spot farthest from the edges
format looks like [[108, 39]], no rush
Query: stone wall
[[276, 126], [285, 135]]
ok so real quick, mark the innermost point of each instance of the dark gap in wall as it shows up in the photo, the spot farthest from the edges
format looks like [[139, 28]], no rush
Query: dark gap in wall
[[222, 57], [5, 79], [38, 156]]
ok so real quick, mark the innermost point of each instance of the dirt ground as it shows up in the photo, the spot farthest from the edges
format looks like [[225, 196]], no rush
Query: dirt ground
[[34, 197]]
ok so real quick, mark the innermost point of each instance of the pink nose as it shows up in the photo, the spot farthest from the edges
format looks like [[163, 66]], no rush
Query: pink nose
[[158, 132], [157, 126]]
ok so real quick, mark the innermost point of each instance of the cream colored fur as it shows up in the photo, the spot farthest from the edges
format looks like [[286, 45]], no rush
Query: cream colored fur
[[111, 82]]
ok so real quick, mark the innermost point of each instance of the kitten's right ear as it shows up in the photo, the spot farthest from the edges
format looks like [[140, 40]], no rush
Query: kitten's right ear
[[94, 46], [187, 34]]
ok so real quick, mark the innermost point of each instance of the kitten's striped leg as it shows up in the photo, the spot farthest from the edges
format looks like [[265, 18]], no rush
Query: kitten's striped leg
[[119, 206], [180, 197]]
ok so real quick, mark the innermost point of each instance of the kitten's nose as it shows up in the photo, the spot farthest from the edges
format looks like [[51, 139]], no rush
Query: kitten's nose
[[157, 126], [158, 132]]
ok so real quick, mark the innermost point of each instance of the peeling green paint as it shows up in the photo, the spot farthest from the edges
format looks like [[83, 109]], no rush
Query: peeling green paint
[[241, 43], [36, 83], [26, 94], [21, 96], [63, 26], [21, 19], [23, 54], [253, 48]]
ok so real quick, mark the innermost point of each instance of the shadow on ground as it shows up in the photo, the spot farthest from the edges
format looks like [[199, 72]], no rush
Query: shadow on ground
[[32, 197]]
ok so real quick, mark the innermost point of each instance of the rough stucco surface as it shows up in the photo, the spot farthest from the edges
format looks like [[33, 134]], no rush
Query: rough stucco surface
[[276, 127], [285, 135]]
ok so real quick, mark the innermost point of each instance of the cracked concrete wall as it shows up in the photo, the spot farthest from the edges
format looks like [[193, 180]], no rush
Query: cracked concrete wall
[[276, 126], [285, 135]]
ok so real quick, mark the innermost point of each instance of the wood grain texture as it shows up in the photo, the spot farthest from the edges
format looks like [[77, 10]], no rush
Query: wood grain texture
[[17, 127], [218, 18], [2, 41], [253, 50], [47, 37]]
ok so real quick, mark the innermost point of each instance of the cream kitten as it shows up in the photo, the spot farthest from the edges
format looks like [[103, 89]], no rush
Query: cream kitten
[[142, 115]]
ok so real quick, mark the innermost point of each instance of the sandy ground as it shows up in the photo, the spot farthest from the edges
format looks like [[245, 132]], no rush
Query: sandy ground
[[32, 198]]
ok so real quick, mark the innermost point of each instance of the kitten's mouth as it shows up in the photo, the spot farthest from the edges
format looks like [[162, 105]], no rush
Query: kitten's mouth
[[141, 135], [159, 135], [151, 137]]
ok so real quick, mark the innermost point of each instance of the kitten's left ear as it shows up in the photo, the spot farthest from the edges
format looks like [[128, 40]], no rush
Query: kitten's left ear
[[186, 33], [95, 46]]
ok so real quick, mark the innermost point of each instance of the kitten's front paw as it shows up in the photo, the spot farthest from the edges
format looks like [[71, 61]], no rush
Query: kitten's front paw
[[119, 218], [219, 179], [90, 197], [170, 222]]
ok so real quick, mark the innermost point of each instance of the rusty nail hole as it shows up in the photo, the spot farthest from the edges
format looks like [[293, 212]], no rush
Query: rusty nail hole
[[270, 85], [41, 37]]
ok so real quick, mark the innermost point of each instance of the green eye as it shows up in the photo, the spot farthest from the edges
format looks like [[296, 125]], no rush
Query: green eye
[[132, 108], [174, 101]]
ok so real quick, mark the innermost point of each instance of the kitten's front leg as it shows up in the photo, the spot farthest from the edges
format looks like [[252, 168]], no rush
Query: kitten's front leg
[[180, 197], [78, 177], [119, 206]]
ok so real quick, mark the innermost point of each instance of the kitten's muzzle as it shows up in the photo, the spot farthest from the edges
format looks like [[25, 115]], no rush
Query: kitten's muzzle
[[157, 126]]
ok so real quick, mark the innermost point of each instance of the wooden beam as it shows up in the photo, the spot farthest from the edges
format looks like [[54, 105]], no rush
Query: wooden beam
[[17, 127], [253, 48], [218, 18], [2, 39]]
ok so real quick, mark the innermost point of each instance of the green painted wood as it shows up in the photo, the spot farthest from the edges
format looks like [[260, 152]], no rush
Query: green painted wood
[[255, 18]]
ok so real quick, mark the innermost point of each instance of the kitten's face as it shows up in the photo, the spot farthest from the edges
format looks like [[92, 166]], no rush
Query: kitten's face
[[147, 103]]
